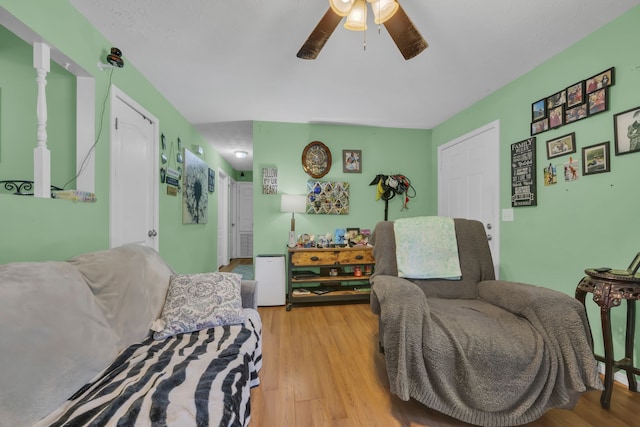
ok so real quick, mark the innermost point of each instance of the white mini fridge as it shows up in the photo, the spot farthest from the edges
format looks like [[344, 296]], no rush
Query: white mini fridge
[[271, 277]]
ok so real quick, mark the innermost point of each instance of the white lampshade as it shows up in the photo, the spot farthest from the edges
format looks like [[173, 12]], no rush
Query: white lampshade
[[357, 18], [383, 10], [293, 203], [341, 7]]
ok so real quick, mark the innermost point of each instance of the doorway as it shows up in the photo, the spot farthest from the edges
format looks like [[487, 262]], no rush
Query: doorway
[[223, 218], [242, 220], [134, 183], [469, 181]]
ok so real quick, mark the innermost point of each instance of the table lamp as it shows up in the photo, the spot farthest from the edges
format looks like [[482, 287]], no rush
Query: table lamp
[[293, 203]]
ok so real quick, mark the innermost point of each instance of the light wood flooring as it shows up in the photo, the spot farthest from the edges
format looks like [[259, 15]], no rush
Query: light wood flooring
[[321, 367]]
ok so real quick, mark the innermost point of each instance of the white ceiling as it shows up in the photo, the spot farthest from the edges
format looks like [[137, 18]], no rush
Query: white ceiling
[[225, 63]]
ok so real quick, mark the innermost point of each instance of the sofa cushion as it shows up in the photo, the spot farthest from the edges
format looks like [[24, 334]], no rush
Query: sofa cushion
[[200, 301], [130, 283], [54, 338]]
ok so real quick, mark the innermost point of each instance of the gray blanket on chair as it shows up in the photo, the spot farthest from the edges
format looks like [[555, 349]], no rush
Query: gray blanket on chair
[[500, 360]]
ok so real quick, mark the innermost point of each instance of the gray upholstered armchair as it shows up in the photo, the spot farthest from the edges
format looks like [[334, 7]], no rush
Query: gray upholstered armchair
[[485, 351]]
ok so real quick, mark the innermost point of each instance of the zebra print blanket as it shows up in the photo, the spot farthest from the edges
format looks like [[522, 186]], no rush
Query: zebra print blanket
[[196, 379]]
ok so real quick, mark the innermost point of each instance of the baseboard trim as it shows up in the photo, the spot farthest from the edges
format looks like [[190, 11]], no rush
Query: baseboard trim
[[619, 376]]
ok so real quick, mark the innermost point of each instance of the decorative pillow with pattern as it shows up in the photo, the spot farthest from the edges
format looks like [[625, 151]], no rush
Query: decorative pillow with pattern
[[200, 301]]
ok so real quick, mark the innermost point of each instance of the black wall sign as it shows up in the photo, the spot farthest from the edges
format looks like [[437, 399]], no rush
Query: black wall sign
[[523, 173]]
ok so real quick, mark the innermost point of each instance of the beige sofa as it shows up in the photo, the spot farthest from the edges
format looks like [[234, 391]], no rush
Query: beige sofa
[[80, 330]]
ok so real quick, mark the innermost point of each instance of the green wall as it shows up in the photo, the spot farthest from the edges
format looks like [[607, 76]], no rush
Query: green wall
[[18, 129], [384, 151], [576, 225], [35, 229]]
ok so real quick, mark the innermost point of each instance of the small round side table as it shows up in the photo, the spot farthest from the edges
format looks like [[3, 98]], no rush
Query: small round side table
[[609, 289]]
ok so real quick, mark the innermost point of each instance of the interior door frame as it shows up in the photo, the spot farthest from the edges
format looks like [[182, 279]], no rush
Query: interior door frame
[[493, 127], [223, 218], [118, 96]]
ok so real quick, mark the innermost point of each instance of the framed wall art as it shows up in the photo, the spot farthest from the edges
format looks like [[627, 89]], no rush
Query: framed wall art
[[352, 161], [575, 94], [330, 198], [556, 117], [195, 200], [269, 180], [523, 173], [538, 110], [598, 101], [600, 80], [595, 159], [212, 181], [557, 99], [626, 125], [562, 145], [539, 126], [578, 101], [576, 113]]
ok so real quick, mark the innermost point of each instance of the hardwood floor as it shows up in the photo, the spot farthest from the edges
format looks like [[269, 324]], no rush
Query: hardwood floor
[[321, 367], [235, 262]]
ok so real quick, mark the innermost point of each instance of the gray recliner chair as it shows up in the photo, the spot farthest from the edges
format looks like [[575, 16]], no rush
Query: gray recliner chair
[[485, 351]]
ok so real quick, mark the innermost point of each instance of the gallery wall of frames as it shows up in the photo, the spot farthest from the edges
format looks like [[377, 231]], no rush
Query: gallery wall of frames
[[578, 101]]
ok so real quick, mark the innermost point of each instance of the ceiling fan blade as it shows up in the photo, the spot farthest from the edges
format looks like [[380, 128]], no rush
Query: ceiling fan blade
[[319, 36], [405, 35]]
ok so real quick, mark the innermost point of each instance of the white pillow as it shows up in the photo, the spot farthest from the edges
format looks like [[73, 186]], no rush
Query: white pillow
[[200, 301]]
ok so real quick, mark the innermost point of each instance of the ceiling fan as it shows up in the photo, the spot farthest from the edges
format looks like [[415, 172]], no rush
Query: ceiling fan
[[387, 12]]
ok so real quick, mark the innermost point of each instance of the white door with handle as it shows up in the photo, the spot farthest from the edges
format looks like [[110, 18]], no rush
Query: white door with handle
[[134, 173], [469, 181]]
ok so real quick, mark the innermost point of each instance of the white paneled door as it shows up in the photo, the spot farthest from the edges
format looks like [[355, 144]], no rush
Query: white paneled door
[[134, 173], [469, 181], [244, 220]]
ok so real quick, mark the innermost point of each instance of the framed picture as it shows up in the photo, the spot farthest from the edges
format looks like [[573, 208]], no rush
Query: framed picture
[[626, 127], [212, 180], [352, 161], [557, 99], [556, 117], [595, 159], [600, 80], [561, 145], [598, 101], [539, 126], [195, 198], [575, 94], [351, 234], [523, 173], [576, 113], [538, 110]]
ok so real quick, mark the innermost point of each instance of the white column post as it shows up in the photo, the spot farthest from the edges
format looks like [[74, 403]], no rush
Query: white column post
[[41, 154]]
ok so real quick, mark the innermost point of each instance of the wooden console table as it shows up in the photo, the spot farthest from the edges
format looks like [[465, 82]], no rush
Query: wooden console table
[[608, 290]]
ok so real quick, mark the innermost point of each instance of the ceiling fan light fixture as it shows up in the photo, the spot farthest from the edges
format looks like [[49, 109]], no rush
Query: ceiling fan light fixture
[[357, 18], [341, 7], [383, 10]]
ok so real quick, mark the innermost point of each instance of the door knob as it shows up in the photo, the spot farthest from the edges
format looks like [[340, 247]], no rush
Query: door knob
[[489, 226], [152, 233], [489, 237]]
